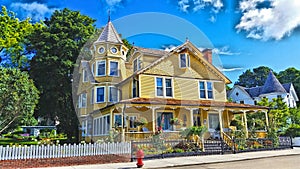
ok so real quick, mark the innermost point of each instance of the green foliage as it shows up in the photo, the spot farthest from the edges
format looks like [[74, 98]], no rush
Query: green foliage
[[256, 121], [278, 114], [257, 77], [14, 39], [194, 130], [18, 98], [56, 47]]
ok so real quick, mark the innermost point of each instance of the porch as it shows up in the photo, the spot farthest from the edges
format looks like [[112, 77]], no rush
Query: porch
[[157, 114]]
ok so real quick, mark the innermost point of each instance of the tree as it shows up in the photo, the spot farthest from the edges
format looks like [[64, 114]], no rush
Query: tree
[[18, 98], [56, 47], [291, 75], [257, 77], [14, 38]]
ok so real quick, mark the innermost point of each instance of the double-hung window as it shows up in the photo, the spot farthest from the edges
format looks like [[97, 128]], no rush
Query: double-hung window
[[184, 60], [92, 96], [82, 100], [137, 64], [101, 68], [206, 90], [84, 75], [164, 87], [135, 88], [114, 68], [100, 94], [113, 94]]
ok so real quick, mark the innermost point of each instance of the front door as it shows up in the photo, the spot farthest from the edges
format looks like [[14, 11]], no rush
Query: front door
[[213, 122]]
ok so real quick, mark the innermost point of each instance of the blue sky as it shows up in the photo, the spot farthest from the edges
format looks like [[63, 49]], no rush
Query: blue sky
[[244, 34]]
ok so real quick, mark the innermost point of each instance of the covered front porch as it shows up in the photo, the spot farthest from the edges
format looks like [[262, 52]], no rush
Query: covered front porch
[[140, 119]]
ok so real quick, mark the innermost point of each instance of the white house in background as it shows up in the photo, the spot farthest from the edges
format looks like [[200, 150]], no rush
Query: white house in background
[[271, 89]]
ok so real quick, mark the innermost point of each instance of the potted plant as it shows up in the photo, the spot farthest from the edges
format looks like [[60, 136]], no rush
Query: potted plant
[[175, 121], [139, 122]]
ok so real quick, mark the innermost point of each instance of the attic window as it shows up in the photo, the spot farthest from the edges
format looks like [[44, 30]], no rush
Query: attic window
[[237, 93], [184, 60], [84, 75]]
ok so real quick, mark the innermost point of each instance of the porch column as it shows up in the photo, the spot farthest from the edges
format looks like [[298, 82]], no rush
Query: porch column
[[245, 123], [153, 118], [267, 119], [191, 117], [221, 120], [123, 123]]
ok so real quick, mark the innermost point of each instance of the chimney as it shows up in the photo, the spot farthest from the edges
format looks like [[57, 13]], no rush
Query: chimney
[[207, 54]]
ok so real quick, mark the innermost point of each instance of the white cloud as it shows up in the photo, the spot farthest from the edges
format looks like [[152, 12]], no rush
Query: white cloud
[[113, 2], [183, 5], [229, 69], [273, 22], [168, 47], [224, 51], [196, 5], [35, 11]]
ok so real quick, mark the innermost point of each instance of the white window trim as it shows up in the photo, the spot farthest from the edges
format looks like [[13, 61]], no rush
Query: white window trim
[[98, 65], [109, 94], [84, 74], [122, 120], [104, 89], [100, 48], [110, 50], [118, 74], [187, 60], [136, 90], [164, 87], [92, 96], [138, 63], [93, 69], [81, 101], [206, 90]]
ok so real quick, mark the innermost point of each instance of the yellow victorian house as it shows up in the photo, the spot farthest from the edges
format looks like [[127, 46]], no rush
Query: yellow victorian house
[[152, 87]]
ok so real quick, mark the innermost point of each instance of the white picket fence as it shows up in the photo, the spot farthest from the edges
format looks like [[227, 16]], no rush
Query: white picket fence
[[59, 151]]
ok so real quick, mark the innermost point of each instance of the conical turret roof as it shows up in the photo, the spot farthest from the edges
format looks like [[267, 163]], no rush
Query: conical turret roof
[[272, 85], [109, 34]]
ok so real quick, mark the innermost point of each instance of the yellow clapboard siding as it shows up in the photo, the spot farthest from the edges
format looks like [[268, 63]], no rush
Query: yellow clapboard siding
[[147, 86], [219, 91], [185, 89]]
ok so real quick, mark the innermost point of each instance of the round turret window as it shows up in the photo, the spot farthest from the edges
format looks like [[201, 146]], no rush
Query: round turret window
[[101, 50], [114, 50]]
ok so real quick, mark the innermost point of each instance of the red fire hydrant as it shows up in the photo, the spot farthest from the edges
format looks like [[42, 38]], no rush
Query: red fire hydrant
[[139, 156]]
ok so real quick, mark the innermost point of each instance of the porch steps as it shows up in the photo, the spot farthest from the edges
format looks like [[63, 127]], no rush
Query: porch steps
[[215, 147]]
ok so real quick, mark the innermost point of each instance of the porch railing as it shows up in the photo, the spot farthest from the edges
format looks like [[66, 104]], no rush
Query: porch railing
[[229, 141]]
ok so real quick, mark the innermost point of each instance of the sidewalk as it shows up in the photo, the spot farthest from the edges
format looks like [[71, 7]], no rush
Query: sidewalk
[[193, 160]]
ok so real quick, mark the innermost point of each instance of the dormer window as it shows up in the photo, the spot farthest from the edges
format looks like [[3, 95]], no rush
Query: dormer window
[[184, 60], [84, 75]]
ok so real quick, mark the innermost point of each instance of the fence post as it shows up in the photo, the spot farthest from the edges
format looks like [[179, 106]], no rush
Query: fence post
[[222, 146], [233, 146], [131, 151], [291, 140]]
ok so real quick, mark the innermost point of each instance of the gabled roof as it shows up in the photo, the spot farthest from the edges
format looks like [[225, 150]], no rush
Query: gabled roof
[[155, 52], [272, 85], [287, 86], [188, 45], [109, 34]]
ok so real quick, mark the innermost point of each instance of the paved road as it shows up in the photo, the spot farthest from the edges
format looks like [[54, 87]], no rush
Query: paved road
[[283, 162]]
